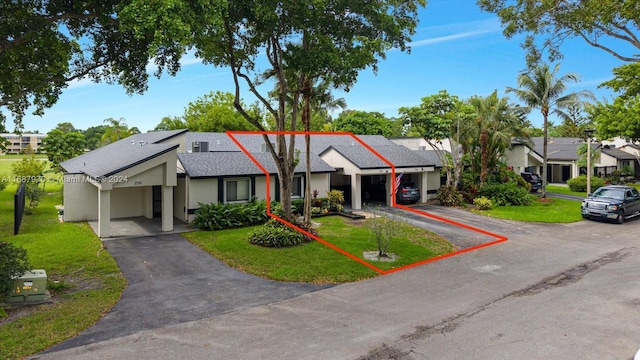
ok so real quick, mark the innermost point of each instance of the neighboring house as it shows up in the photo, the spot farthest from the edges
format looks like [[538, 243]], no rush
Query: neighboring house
[[18, 143], [562, 157], [612, 159], [167, 174]]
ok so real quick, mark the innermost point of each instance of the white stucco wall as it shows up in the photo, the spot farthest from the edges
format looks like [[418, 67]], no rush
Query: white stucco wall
[[202, 190], [80, 198], [433, 183], [180, 200], [129, 202]]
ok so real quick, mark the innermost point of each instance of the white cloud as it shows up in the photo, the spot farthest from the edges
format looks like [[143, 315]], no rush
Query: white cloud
[[457, 31]]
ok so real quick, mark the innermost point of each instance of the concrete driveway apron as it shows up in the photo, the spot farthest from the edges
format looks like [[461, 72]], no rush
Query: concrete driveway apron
[[172, 281]]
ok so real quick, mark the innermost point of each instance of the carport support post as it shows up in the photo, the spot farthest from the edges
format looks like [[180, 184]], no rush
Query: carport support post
[[356, 191], [104, 213], [167, 208]]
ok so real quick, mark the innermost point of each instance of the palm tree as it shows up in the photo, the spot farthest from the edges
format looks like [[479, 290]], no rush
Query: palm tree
[[542, 88], [496, 122], [115, 130]]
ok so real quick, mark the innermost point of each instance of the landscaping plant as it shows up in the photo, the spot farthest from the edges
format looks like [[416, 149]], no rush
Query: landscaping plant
[[14, 262], [384, 228]]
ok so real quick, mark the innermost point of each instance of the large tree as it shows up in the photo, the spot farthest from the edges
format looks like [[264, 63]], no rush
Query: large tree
[[542, 88], [170, 123], [93, 136], [440, 117], [325, 39], [495, 123], [367, 123], [620, 118], [61, 146], [116, 129], [610, 25], [45, 44], [216, 112], [626, 80]]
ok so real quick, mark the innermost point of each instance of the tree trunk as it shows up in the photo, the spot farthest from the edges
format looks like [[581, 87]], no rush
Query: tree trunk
[[306, 120], [484, 157], [543, 172]]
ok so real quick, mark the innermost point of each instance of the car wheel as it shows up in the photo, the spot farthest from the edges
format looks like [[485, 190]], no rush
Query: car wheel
[[620, 218]]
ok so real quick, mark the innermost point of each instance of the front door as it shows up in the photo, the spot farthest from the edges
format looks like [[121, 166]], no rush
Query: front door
[[157, 201]]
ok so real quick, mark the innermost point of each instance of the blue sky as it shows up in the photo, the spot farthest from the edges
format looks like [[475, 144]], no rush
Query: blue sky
[[456, 47]]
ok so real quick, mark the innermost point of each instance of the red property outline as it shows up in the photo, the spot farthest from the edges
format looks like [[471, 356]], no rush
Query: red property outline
[[499, 238]]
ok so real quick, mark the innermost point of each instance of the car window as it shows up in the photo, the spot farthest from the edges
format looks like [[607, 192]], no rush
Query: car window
[[635, 192], [609, 193]]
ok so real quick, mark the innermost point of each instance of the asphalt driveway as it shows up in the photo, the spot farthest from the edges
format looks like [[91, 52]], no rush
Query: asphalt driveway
[[462, 237], [172, 281]]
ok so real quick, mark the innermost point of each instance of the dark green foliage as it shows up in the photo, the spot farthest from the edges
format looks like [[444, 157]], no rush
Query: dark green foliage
[[297, 206], [218, 216], [13, 262], [579, 184], [508, 193], [277, 235], [449, 196]]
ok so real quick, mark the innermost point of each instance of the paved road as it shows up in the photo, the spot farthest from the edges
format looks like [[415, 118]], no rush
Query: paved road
[[551, 292], [172, 281]]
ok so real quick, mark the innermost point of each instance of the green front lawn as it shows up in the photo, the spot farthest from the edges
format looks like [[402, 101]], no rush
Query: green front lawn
[[89, 280], [315, 262], [549, 210], [564, 190]]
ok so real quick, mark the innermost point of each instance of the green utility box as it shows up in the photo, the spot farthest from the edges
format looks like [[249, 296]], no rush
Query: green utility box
[[29, 287]]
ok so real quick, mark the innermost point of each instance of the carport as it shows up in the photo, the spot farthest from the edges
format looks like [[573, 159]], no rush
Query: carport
[[127, 179]]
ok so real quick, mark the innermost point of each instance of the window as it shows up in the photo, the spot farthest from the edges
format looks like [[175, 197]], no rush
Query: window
[[297, 188], [237, 190]]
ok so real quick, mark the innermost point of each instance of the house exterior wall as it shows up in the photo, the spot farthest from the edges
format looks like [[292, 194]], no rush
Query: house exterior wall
[[202, 191], [180, 199], [320, 182], [129, 202], [153, 176], [80, 198], [433, 184], [421, 144], [607, 160], [518, 158]]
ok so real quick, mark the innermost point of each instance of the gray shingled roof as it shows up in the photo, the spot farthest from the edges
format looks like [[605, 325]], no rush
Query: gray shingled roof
[[431, 157], [560, 148], [618, 154], [398, 155], [114, 158], [214, 164], [122, 154]]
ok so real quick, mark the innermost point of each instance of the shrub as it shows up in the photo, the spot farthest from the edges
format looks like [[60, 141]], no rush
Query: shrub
[[483, 203], [579, 184], [449, 196], [218, 216], [276, 235], [384, 229], [336, 197], [13, 263], [297, 206], [506, 194]]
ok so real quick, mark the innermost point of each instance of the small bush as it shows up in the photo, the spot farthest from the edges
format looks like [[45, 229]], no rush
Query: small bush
[[297, 206], [449, 196], [506, 194], [483, 203], [336, 197], [218, 216], [13, 263], [276, 235], [579, 184]]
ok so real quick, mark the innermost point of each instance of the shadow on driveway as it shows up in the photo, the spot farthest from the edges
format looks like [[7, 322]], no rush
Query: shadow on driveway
[[171, 281], [461, 237]]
